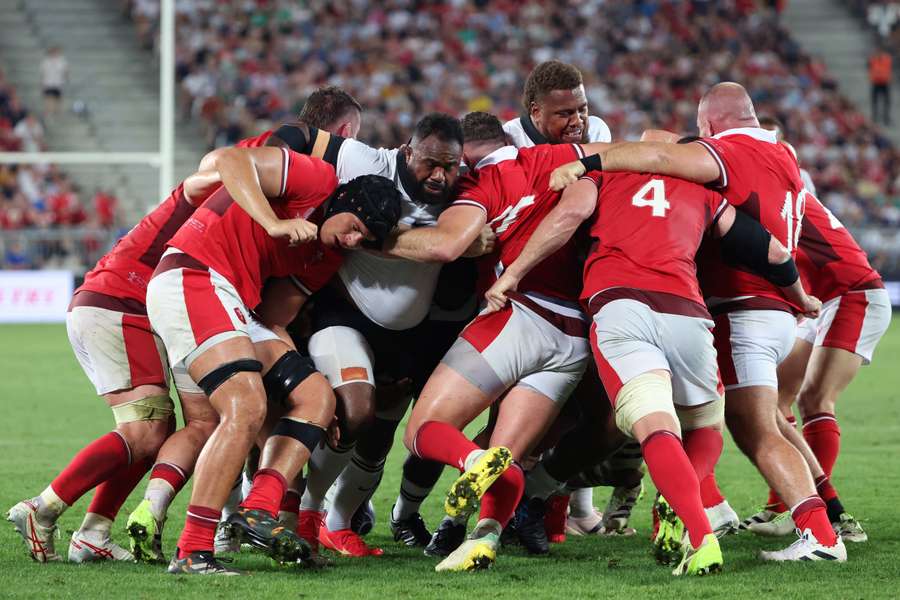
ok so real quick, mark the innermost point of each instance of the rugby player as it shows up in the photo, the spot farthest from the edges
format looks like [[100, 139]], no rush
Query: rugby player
[[367, 322], [330, 109], [555, 112], [198, 302], [755, 325], [826, 355], [126, 362], [495, 355], [651, 330]]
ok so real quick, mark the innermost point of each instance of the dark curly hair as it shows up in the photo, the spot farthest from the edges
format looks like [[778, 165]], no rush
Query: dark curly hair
[[549, 76]]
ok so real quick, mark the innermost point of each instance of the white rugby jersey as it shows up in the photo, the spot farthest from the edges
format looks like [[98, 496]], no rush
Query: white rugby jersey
[[524, 134], [394, 293]]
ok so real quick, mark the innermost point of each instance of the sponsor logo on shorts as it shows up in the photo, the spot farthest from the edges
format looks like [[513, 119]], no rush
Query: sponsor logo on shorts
[[354, 374], [240, 315]]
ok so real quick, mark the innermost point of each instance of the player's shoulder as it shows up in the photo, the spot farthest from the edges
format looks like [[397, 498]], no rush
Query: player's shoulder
[[515, 129], [358, 158], [598, 130]]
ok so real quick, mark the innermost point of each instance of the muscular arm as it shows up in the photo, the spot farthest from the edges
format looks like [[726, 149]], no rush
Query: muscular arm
[[251, 176], [576, 205], [456, 229], [746, 241], [688, 161], [197, 187]]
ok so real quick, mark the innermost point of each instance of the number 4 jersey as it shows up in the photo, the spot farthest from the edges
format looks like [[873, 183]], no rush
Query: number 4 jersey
[[515, 195], [646, 232], [761, 178]]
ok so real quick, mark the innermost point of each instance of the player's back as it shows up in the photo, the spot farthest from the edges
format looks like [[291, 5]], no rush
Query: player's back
[[126, 269], [516, 196], [831, 263], [761, 178], [646, 230], [222, 236]]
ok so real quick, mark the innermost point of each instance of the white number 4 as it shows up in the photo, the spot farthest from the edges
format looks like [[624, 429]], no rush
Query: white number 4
[[653, 194]]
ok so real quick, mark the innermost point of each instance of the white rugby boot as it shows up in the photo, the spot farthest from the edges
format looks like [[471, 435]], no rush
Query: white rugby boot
[[94, 546], [38, 538], [807, 548], [723, 519]]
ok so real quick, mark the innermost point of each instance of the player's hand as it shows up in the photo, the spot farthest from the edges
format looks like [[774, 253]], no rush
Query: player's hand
[[565, 175], [496, 295], [811, 307], [295, 231], [483, 244], [332, 434]]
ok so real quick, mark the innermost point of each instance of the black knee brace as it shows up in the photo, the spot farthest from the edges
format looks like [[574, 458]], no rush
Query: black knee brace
[[212, 380], [306, 433], [288, 372]]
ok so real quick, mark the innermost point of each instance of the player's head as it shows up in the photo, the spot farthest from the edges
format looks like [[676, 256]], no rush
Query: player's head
[[773, 124], [364, 209], [333, 110], [725, 106], [554, 98], [482, 134], [432, 158]]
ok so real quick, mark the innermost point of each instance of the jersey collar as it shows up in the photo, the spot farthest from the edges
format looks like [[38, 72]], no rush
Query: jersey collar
[[498, 155], [531, 131], [757, 133]]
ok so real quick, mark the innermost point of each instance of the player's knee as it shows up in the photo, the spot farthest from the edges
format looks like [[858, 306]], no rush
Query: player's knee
[[289, 372], [711, 414], [313, 401], [642, 396], [201, 428], [355, 410], [145, 424], [813, 399]]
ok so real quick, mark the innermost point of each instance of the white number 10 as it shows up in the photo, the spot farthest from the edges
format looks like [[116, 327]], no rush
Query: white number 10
[[653, 194]]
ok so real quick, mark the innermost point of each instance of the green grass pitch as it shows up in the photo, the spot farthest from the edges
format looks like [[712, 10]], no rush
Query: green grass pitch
[[50, 412]]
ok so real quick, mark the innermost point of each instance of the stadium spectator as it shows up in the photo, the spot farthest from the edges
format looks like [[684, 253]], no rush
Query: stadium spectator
[[54, 76], [880, 65], [243, 65], [30, 133]]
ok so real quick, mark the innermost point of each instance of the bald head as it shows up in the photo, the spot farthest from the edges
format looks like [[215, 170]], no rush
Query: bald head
[[725, 106]]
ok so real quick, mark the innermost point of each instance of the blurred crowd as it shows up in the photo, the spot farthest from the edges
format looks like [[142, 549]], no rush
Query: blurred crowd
[[244, 64], [40, 197]]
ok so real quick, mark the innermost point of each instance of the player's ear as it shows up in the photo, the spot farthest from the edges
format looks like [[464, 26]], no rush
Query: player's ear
[[406, 150]]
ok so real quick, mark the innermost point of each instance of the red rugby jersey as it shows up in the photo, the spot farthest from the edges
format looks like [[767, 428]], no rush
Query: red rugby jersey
[[646, 232], [224, 237], [124, 271], [761, 178], [831, 263], [516, 196]]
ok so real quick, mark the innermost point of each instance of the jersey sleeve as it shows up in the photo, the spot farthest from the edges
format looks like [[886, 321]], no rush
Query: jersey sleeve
[[305, 179], [722, 152], [715, 206], [356, 158], [311, 141], [475, 190]]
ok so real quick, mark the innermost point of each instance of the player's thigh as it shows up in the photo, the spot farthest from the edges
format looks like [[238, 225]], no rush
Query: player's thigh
[[343, 356], [448, 397], [524, 416], [750, 344], [118, 352], [193, 310], [855, 322], [751, 414], [625, 343], [792, 371]]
